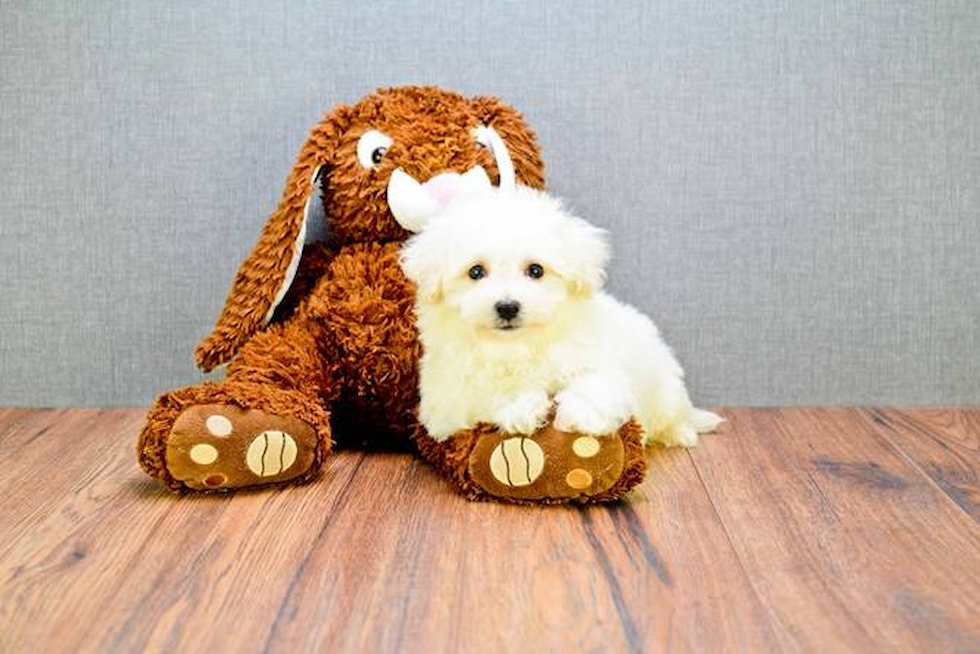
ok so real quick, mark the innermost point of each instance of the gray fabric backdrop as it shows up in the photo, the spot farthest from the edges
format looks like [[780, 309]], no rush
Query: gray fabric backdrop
[[793, 186]]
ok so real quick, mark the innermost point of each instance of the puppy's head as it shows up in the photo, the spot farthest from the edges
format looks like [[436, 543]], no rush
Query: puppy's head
[[506, 261]]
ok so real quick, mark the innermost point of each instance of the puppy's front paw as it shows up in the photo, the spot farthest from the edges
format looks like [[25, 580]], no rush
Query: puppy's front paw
[[591, 415], [683, 435], [524, 414]]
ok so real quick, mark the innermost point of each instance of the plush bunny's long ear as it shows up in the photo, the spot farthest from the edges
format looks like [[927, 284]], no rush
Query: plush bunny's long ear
[[505, 165], [264, 277], [520, 140]]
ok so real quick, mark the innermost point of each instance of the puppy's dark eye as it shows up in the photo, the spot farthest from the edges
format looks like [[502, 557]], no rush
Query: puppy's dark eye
[[378, 155], [477, 272], [534, 271]]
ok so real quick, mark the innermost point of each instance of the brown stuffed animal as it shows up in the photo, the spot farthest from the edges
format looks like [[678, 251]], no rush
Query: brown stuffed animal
[[328, 346]]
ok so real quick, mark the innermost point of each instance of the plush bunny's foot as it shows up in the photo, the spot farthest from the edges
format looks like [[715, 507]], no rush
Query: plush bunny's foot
[[232, 435], [550, 466], [218, 446]]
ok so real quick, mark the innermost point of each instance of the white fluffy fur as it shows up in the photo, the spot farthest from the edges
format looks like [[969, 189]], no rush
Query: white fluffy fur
[[574, 348]]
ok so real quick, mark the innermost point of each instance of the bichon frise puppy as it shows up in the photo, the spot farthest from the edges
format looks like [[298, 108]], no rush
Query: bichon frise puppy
[[513, 323]]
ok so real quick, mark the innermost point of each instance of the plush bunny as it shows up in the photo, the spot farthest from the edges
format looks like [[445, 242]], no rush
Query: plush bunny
[[320, 339]]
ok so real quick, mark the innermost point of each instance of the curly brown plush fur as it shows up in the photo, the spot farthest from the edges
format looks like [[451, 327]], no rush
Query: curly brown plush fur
[[343, 347]]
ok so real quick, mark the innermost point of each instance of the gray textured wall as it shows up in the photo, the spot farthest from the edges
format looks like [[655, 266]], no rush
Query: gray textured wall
[[793, 185]]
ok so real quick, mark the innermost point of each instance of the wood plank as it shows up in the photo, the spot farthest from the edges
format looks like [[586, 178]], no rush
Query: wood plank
[[671, 522], [849, 547], [944, 443], [61, 454]]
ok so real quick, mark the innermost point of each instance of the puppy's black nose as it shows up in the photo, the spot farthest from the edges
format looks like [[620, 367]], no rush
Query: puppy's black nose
[[507, 309]]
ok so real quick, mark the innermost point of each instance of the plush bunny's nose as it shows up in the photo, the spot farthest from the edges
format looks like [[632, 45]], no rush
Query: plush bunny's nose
[[443, 187], [412, 203]]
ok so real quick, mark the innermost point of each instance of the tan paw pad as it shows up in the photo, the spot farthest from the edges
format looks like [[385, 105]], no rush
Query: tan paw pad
[[218, 425], [203, 454], [578, 479], [586, 447]]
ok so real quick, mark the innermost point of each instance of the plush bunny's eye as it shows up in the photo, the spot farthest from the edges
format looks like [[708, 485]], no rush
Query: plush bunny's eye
[[372, 147]]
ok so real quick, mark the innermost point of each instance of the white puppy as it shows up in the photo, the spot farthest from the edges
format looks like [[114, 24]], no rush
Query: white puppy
[[513, 321]]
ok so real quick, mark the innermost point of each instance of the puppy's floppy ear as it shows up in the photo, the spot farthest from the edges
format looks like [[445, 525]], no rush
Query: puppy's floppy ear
[[423, 265], [265, 275], [520, 139], [583, 253]]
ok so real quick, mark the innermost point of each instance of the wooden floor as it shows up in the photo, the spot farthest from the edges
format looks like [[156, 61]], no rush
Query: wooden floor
[[816, 530]]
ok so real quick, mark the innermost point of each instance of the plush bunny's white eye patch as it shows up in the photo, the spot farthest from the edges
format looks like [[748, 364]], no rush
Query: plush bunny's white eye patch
[[372, 147]]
